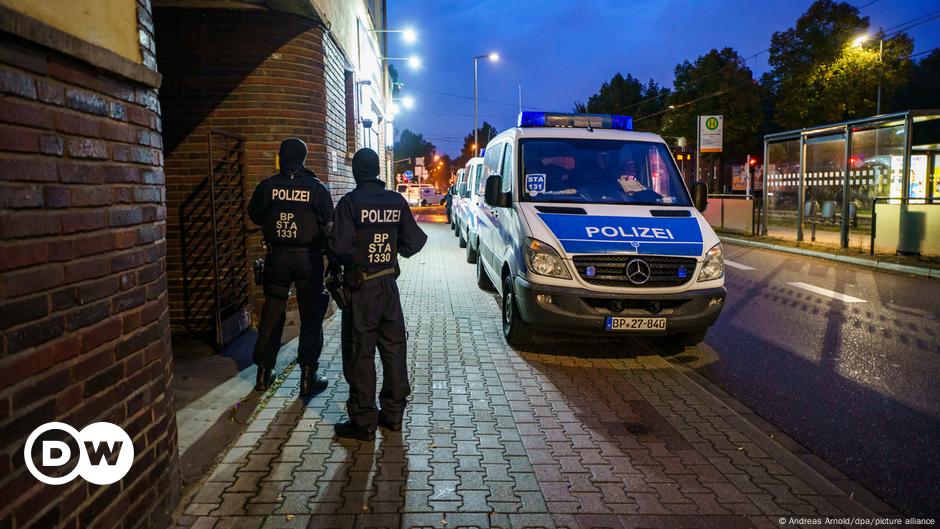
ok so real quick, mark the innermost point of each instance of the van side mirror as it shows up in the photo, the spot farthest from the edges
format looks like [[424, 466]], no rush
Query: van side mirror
[[700, 195], [493, 195]]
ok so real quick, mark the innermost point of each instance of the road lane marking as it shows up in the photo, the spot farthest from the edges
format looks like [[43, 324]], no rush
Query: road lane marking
[[826, 292], [739, 266]]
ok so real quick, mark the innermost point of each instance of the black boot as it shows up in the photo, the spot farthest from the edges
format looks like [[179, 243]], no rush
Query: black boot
[[389, 424], [348, 430], [310, 382], [263, 379]]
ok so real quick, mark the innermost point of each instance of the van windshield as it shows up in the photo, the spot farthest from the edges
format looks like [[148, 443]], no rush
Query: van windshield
[[600, 172]]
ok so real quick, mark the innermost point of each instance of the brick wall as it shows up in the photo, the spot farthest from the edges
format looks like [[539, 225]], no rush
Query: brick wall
[[83, 303], [263, 75]]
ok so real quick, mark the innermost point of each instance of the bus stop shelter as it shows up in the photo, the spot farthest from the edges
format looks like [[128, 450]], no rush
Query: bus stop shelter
[[870, 183]]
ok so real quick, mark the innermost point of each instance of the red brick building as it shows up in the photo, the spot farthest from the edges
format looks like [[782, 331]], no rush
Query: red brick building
[[118, 221]]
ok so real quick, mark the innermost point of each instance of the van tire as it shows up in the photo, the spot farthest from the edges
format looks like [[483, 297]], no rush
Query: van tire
[[472, 254], [456, 227], [516, 332], [689, 338], [483, 280], [461, 242]]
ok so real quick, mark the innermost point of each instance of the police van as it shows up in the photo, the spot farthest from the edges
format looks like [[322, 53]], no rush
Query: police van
[[588, 227], [472, 173]]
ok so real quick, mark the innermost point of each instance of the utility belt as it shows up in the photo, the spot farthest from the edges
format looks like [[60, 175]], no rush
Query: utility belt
[[342, 286], [289, 248], [257, 265]]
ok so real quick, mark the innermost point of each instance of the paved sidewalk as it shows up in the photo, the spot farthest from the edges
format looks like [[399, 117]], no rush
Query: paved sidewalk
[[573, 434]]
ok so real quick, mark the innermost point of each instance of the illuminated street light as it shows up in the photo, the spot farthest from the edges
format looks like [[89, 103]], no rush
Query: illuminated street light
[[858, 42], [413, 62], [409, 35], [492, 56]]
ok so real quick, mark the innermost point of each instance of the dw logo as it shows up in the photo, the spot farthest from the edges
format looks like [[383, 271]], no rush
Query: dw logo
[[105, 453]]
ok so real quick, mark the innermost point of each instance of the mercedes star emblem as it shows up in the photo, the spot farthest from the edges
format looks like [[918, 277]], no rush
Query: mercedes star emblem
[[638, 271]]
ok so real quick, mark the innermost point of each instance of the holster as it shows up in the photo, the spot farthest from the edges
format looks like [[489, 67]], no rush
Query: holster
[[338, 290]]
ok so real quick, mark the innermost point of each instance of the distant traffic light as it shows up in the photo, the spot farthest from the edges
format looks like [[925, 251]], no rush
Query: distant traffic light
[[752, 162]]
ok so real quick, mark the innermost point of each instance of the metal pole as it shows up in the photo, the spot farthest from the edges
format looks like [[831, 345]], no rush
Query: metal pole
[[764, 206], [802, 189], [476, 141], [520, 99], [881, 65], [698, 146], [906, 166], [844, 228]]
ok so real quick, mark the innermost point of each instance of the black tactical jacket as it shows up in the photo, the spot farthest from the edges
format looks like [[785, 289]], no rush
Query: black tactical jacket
[[293, 208], [372, 226]]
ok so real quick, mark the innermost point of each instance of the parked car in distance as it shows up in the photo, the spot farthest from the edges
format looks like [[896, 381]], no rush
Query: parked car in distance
[[421, 194]]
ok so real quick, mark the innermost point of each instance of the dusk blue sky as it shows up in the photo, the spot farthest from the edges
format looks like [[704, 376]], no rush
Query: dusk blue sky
[[561, 51]]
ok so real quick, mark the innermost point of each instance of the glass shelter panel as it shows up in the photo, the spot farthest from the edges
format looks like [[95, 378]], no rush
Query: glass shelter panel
[[783, 188], [825, 174], [877, 163]]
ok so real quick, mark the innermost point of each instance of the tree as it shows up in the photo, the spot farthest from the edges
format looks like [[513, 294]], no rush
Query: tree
[[485, 133], [718, 82], [817, 74], [921, 90], [411, 145], [628, 95]]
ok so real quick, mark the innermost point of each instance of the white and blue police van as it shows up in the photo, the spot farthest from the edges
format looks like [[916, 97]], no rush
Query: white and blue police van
[[473, 173], [588, 227]]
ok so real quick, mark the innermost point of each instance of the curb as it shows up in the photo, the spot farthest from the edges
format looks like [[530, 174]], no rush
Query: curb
[[826, 480], [858, 261]]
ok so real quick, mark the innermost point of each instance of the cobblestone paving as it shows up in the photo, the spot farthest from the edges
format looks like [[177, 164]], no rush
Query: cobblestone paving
[[572, 434]]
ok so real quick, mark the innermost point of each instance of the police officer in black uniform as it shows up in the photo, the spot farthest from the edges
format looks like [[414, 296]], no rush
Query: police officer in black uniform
[[294, 210], [371, 227]]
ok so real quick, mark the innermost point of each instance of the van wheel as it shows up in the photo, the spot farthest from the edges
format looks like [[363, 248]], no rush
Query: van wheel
[[689, 338], [483, 280], [516, 332], [461, 242], [424, 203], [472, 254]]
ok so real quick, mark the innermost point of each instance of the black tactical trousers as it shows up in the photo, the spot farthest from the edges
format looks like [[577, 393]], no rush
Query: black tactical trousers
[[374, 319], [303, 268]]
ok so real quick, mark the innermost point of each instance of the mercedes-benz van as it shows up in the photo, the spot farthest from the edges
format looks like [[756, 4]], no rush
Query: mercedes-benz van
[[589, 228], [473, 173]]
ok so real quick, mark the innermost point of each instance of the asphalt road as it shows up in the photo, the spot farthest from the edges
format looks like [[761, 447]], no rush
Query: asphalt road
[[855, 378], [843, 359]]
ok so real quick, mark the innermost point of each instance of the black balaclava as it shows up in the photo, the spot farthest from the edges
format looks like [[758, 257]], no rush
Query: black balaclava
[[365, 166], [291, 155]]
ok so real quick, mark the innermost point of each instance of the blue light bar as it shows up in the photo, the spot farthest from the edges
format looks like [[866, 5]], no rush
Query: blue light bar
[[557, 119]]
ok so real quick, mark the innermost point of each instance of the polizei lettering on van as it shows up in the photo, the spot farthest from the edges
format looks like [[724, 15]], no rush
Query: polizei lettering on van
[[634, 232], [292, 195], [374, 216]]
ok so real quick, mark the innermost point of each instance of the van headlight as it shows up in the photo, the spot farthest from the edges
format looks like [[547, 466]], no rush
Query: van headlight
[[713, 266], [544, 260]]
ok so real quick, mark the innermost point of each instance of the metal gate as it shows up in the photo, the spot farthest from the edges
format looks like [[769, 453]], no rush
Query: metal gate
[[213, 248], [229, 245]]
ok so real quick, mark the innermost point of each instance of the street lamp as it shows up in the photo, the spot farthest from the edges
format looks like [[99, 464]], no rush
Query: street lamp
[[407, 34], [413, 62], [860, 41], [492, 57], [407, 101]]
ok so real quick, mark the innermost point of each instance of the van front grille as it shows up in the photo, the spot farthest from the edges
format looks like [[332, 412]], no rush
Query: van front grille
[[611, 270]]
